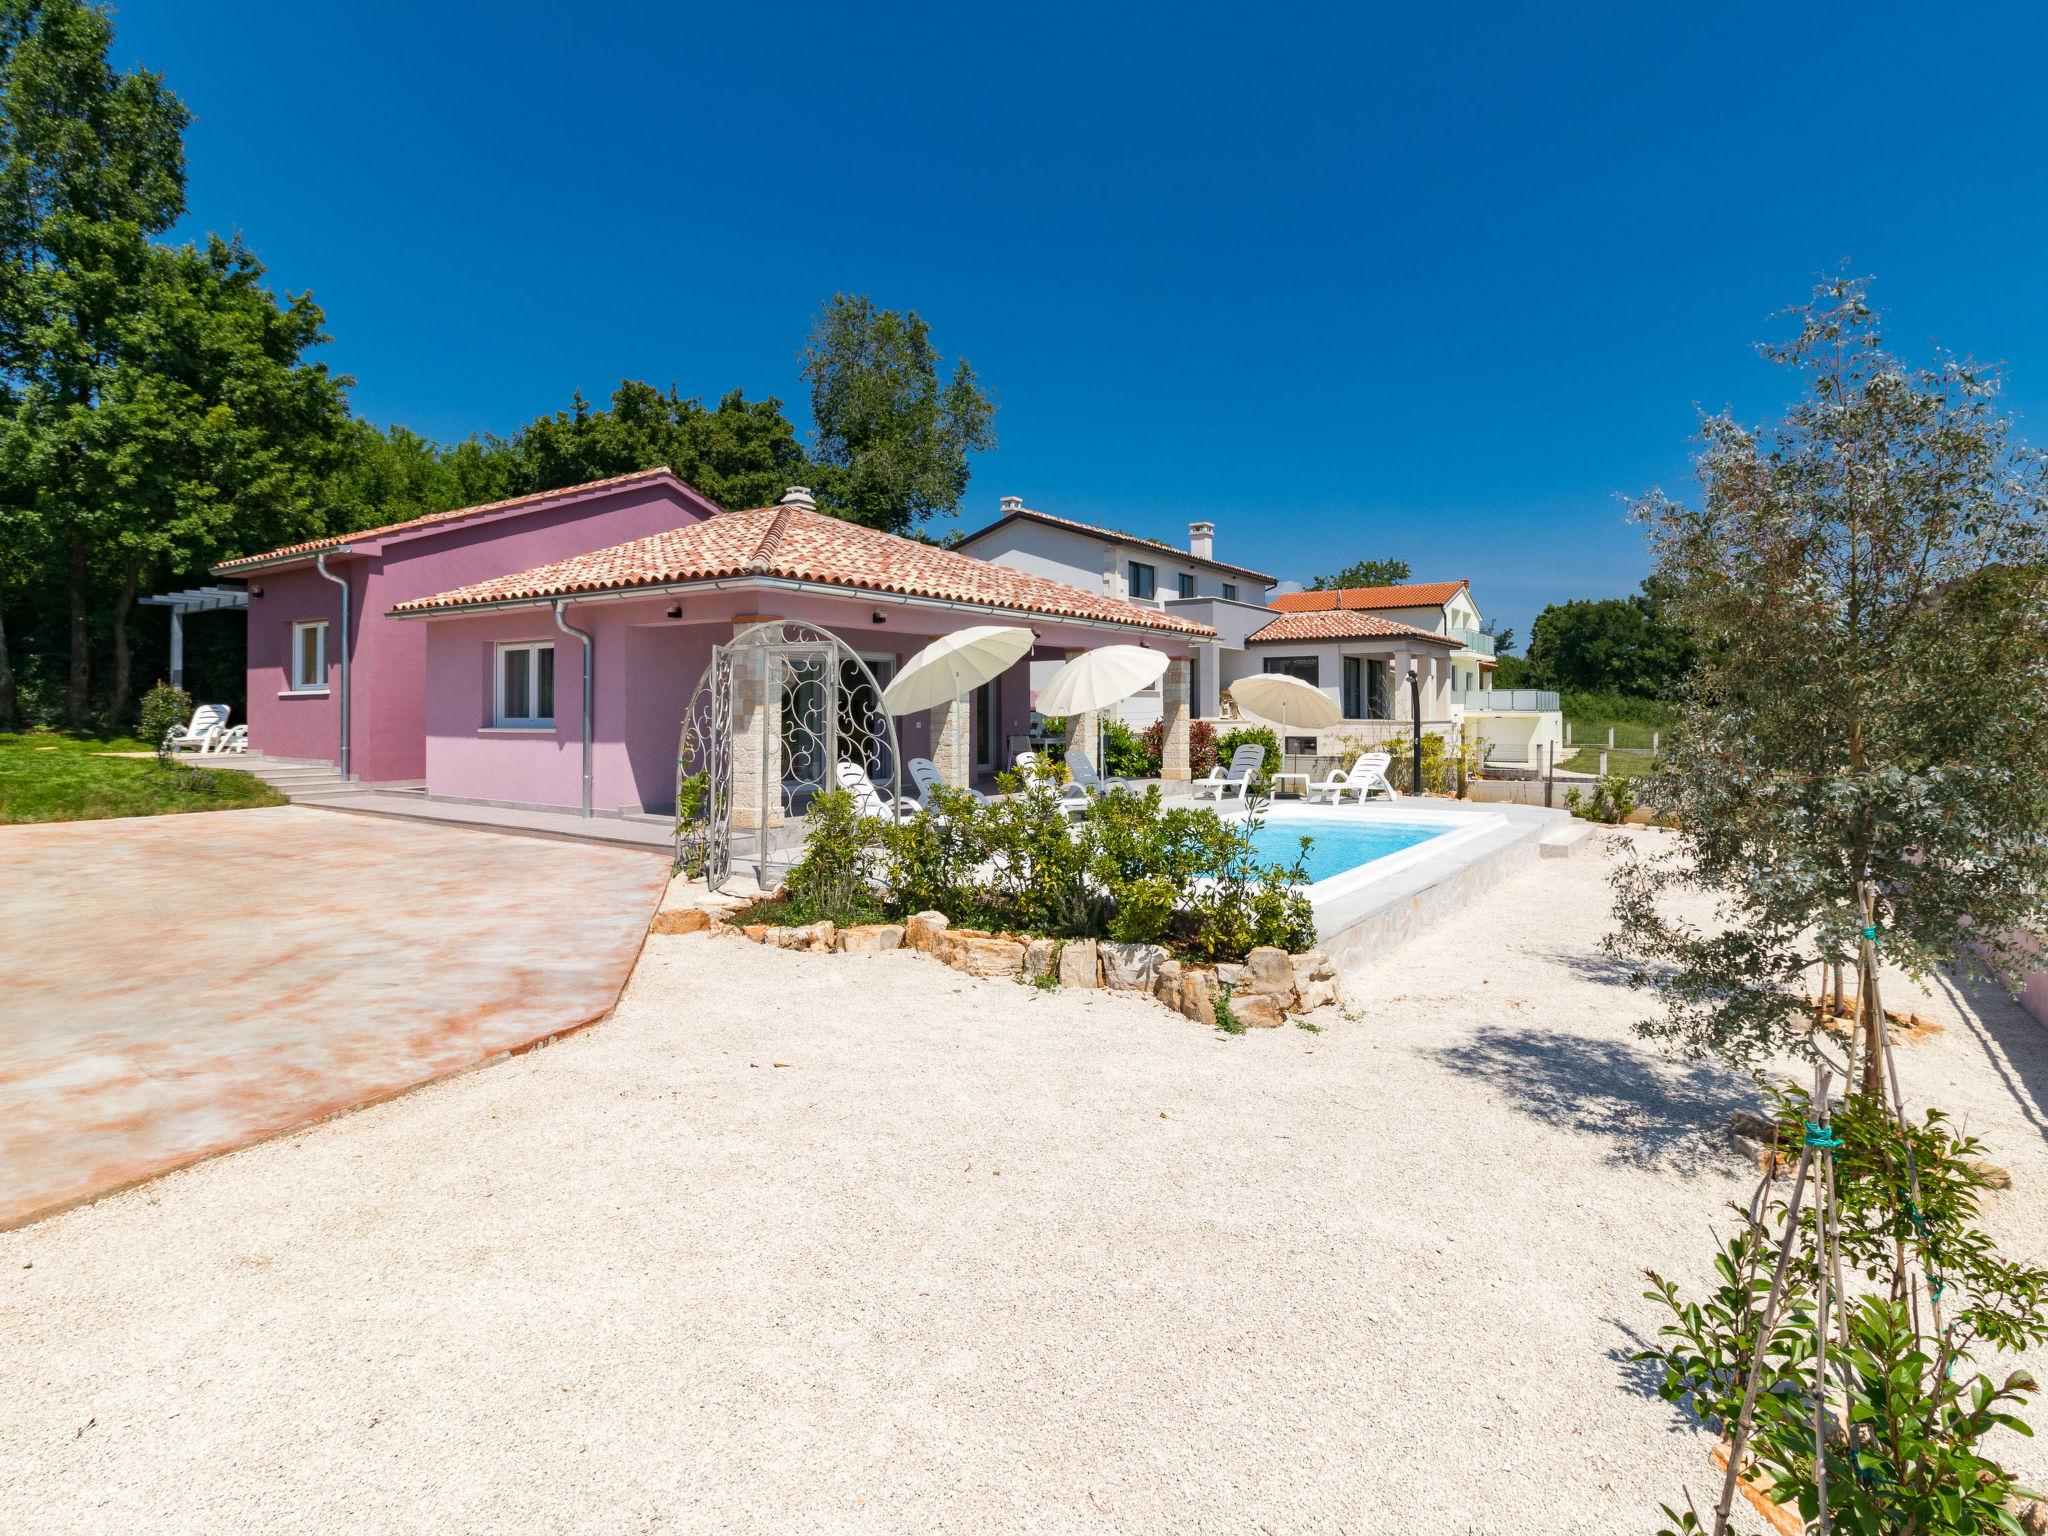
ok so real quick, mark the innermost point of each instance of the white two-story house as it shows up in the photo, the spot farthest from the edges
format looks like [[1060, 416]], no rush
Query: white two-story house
[[1191, 583]]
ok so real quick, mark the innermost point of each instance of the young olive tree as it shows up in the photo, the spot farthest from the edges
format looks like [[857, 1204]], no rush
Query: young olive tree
[[1866, 587]]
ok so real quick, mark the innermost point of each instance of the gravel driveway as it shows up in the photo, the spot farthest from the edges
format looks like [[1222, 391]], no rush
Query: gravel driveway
[[811, 1243]]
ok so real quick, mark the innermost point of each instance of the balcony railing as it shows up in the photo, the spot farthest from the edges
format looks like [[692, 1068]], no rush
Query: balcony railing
[[1472, 640], [1519, 701]]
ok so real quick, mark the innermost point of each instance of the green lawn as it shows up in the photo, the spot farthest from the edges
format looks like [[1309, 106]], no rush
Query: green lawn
[[45, 776], [1622, 761]]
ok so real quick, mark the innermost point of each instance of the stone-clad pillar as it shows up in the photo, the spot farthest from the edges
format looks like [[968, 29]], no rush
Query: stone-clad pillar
[[1173, 710], [1081, 728], [952, 750], [756, 734]]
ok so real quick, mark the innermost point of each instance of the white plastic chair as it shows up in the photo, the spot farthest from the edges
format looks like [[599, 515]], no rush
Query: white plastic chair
[[208, 721], [1220, 783], [1367, 774], [234, 739]]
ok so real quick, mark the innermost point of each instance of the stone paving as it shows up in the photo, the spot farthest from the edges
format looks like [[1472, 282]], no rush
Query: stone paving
[[176, 986]]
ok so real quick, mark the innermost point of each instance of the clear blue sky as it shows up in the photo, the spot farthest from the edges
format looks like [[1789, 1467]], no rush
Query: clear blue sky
[[1362, 282]]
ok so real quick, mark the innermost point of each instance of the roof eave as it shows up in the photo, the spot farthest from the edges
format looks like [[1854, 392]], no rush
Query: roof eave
[[1111, 536], [787, 584]]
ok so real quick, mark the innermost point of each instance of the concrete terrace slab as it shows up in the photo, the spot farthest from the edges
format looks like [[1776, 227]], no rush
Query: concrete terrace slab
[[177, 986]]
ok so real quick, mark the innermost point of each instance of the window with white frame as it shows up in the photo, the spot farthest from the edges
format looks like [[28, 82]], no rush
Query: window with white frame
[[309, 656], [526, 684]]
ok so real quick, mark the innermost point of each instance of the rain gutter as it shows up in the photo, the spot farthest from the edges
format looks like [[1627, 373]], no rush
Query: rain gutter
[[567, 628], [320, 565]]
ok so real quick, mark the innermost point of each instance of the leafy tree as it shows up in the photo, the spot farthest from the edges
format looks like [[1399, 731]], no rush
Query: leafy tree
[[891, 439], [212, 432], [741, 453], [1390, 572], [1868, 585], [1624, 645], [91, 166], [392, 475], [1503, 636]]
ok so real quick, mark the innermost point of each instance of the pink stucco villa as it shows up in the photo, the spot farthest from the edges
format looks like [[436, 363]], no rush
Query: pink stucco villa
[[443, 664]]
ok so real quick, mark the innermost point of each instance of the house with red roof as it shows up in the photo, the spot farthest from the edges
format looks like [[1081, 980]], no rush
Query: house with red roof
[[452, 650]]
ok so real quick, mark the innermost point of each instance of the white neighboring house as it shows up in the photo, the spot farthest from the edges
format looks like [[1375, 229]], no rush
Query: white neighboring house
[[1360, 642], [1190, 583]]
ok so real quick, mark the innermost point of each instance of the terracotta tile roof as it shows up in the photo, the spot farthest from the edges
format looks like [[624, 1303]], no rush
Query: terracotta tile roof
[[1115, 536], [454, 515], [1427, 594], [1335, 624], [793, 543]]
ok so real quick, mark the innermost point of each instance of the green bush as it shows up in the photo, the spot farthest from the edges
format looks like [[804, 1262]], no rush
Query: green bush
[[1446, 765], [1201, 745], [1908, 1447], [164, 708], [1614, 800], [1126, 754], [832, 881], [1250, 735], [1134, 871]]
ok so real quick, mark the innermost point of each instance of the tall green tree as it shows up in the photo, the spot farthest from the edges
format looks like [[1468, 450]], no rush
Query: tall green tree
[[892, 438], [91, 167], [213, 433], [1623, 645], [1388, 572], [1868, 586], [740, 453]]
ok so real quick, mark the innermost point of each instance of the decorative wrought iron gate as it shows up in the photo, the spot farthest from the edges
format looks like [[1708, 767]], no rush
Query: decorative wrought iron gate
[[781, 713]]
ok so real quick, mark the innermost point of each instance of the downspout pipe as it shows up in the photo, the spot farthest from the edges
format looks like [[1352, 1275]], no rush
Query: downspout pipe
[[320, 565], [589, 706]]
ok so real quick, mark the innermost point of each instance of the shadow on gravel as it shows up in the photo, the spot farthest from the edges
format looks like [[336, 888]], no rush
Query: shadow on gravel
[[1643, 1378], [2015, 1046], [1653, 1112]]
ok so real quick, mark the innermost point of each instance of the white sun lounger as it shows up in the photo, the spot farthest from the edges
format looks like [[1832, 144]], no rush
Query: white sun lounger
[[208, 721], [1071, 796], [868, 800], [1369, 773], [1221, 783], [924, 773]]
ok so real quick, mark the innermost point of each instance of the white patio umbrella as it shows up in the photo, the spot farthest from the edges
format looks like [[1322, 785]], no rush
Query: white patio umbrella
[[954, 665], [1096, 679], [1285, 700]]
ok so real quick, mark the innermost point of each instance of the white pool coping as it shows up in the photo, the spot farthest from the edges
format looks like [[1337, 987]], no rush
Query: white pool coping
[[1460, 828]]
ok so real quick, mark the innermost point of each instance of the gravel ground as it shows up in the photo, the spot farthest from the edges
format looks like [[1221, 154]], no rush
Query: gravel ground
[[799, 1243]]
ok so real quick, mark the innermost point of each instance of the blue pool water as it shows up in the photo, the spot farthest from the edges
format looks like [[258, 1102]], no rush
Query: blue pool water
[[1340, 845]]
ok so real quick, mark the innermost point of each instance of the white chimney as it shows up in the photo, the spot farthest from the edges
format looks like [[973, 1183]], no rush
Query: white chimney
[[1012, 504], [1202, 540], [800, 496]]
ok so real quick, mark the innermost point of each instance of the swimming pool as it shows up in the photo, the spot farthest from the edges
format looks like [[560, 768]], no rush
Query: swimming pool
[[1342, 843]]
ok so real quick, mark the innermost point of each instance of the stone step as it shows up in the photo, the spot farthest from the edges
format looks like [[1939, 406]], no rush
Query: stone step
[[1562, 842]]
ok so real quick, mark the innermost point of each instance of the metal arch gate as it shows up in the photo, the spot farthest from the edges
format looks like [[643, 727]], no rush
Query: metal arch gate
[[780, 707]]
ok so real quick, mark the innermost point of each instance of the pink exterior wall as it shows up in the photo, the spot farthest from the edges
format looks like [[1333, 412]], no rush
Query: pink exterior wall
[[388, 690], [646, 666], [2034, 996]]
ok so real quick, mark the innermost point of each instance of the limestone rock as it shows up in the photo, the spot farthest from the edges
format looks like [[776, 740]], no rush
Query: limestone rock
[[981, 954], [814, 938], [1198, 996], [1994, 1177], [1268, 973], [758, 932], [1229, 975], [870, 938], [682, 920], [1130, 967], [1256, 1010], [1166, 985], [1748, 1123], [1079, 965], [1313, 965], [1316, 992], [1039, 958], [925, 931]]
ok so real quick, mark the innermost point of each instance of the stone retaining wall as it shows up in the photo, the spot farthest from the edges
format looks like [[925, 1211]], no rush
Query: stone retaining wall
[[1259, 994]]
